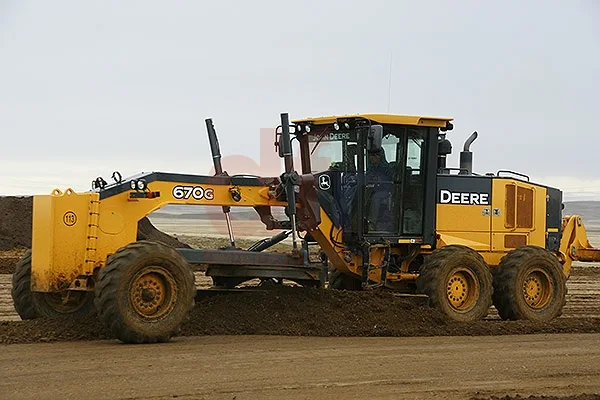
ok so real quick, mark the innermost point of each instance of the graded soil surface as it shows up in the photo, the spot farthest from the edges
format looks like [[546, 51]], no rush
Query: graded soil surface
[[275, 367], [303, 312], [312, 312]]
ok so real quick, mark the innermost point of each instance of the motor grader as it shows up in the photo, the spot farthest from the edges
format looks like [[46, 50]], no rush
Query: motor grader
[[374, 197]]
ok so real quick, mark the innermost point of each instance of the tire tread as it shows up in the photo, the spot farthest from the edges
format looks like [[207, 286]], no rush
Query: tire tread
[[433, 268], [21, 289], [505, 275], [108, 285]]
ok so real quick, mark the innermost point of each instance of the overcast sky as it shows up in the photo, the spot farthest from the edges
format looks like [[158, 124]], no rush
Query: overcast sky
[[88, 87]]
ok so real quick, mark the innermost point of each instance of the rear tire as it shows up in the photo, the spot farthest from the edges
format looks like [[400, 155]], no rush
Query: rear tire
[[21, 289], [529, 284], [458, 283], [340, 281], [145, 292]]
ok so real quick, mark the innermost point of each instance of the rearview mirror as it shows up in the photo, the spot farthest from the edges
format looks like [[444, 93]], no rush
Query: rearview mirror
[[374, 139]]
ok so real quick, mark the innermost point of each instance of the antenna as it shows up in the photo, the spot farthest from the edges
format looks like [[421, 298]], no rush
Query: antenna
[[390, 86]]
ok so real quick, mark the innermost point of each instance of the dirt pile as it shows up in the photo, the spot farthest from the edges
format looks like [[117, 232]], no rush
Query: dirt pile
[[313, 312], [15, 222], [147, 231], [10, 258], [15, 225], [302, 312]]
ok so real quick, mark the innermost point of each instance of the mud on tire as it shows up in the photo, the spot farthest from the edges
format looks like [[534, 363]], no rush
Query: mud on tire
[[145, 292], [529, 284], [458, 283], [21, 288]]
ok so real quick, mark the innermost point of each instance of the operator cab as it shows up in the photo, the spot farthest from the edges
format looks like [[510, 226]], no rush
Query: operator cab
[[374, 168]]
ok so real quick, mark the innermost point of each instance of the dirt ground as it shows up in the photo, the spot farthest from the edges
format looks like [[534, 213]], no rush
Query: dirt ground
[[298, 311], [302, 343], [275, 367]]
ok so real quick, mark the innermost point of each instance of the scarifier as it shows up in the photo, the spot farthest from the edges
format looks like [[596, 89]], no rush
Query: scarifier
[[374, 196]]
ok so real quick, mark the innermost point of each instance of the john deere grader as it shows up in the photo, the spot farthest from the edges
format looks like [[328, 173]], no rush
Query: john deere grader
[[374, 197]]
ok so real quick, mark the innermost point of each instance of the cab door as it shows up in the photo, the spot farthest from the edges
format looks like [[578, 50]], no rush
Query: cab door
[[395, 187]]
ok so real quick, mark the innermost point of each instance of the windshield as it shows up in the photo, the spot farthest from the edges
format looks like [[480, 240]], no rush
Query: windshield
[[329, 149], [325, 154], [338, 151]]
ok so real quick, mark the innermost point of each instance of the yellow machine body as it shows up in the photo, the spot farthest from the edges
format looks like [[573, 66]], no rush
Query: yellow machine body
[[516, 217], [75, 233], [372, 205]]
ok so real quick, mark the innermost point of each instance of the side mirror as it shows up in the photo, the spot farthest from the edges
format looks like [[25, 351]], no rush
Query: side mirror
[[374, 139]]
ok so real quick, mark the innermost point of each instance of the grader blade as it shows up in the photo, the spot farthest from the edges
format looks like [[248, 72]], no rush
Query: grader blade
[[574, 243]]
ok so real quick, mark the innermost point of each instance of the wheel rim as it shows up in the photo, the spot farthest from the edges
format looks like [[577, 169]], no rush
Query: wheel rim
[[153, 292], [537, 289], [462, 289], [66, 302]]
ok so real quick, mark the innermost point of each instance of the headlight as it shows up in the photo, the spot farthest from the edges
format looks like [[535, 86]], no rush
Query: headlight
[[141, 184], [307, 128], [336, 126], [132, 185]]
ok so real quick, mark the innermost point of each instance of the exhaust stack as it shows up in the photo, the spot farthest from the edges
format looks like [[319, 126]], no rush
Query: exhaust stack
[[466, 156]]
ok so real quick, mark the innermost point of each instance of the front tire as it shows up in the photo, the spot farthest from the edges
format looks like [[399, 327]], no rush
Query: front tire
[[145, 292], [458, 283], [529, 284]]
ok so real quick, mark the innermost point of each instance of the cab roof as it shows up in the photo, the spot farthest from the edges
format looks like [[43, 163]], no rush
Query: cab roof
[[441, 122]]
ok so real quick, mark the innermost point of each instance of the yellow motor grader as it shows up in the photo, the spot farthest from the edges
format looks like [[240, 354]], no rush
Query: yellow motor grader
[[374, 195]]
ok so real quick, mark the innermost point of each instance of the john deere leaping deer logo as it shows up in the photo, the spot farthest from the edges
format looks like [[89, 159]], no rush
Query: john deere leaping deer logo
[[324, 182]]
